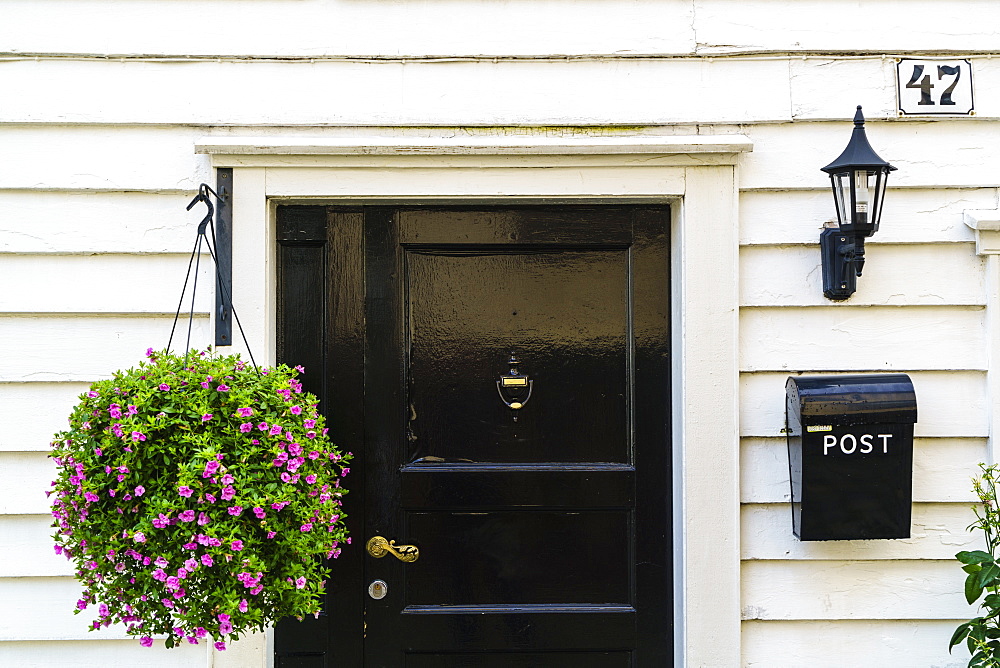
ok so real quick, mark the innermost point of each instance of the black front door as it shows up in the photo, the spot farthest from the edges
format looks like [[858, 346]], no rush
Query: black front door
[[502, 376]]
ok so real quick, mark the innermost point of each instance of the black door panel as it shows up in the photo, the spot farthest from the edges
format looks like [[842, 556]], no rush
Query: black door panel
[[541, 511]]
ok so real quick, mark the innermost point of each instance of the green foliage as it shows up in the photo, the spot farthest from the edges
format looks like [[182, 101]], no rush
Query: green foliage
[[198, 498], [982, 634]]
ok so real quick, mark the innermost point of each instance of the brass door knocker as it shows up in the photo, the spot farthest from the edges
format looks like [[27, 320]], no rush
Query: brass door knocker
[[514, 389]]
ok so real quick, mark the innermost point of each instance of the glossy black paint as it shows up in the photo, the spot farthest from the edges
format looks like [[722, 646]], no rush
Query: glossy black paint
[[850, 455], [223, 243], [535, 526]]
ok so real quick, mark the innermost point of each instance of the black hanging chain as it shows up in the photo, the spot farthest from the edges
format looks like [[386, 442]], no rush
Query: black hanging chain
[[207, 223]]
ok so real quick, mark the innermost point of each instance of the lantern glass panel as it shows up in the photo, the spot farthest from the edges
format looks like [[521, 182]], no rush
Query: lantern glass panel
[[842, 196], [864, 197]]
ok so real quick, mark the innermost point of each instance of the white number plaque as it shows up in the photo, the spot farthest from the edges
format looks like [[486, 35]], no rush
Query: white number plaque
[[935, 87]]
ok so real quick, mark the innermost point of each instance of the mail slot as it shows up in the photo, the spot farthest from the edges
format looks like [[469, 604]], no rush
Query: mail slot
[[850, 455]]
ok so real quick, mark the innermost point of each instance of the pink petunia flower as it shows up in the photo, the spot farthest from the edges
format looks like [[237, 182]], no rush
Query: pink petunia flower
[[220, 646], [164, 387], [236, 545], [228, 493], [296, 410], [140, 490], [244, 412], [146, 641], [186, 516], [245, 427], [206, 417], [223, 388], [184, 491], [235, 510], [206, 560]]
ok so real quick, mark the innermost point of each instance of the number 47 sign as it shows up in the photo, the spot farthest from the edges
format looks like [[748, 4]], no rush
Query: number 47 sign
[[934, 87]]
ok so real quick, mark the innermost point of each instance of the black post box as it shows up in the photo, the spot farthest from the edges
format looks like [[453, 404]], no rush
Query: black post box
[[850, 455]]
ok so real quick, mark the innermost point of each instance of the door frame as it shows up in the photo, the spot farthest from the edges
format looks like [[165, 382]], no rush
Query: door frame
[[697, 175]]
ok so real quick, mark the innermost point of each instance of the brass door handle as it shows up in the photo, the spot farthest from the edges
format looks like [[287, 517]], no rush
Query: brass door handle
[[378, 547]]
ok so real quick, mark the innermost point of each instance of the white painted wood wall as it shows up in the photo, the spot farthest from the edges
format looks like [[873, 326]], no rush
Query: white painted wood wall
[[101, 103]]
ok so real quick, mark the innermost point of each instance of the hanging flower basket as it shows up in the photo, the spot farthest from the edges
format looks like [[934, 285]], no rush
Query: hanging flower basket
[[198, 498]]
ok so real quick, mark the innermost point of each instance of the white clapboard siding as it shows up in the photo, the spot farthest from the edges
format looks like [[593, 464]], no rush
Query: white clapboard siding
[[25, 477], [949, 403], [30, 413], [928, 153], [937, 531], [727, 25], [97, 222], [26, 548], [894, 274], [825, 88], [672, 90], [496, 28], [41, 608], [911, 215], [916, 589], [101, 157], [942, 469], [491, 27], [86, 348], [361, 93], [873, 338], [105, 283], [842, 643], [98, 653]]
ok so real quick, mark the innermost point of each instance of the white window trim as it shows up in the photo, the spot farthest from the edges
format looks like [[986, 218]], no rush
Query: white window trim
[[697, 174]]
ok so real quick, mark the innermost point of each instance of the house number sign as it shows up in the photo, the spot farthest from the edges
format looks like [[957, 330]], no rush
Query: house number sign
[[934, 87]]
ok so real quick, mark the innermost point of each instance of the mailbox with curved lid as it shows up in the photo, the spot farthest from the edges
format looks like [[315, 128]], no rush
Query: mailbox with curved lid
[[850, 455]]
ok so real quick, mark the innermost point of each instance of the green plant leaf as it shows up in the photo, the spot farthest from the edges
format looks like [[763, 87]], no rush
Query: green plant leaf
[[974, 557], [959, 635], [972, 590], [988, 575]]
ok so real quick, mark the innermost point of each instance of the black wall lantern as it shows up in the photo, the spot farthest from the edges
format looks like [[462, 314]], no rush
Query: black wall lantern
[[858, 178]]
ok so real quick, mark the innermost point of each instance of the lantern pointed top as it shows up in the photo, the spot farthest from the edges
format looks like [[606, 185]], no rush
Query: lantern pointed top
[[859, 154]]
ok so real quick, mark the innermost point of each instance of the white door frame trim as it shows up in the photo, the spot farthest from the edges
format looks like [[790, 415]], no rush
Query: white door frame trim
[[698, 173]]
